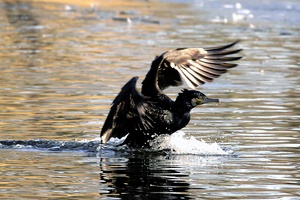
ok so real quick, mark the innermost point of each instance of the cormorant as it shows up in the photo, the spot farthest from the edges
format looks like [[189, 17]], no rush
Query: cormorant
[[144, 116]]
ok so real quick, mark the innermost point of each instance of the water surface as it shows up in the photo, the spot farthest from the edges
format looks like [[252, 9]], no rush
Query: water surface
[[63, 63]]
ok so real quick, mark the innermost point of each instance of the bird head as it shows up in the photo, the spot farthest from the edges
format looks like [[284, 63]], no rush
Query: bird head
[[197, 98]]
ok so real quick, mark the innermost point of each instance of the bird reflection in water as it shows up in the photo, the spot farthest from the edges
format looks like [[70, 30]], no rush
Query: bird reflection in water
[[142, 177]]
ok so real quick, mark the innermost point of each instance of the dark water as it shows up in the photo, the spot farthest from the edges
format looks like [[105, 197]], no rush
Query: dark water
[[63, 63]]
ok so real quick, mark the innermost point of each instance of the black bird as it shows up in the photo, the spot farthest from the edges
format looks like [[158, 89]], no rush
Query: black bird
[[144, 116]]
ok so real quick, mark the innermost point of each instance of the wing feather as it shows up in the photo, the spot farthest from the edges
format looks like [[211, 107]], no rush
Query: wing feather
[[201, 77], [127, 113], [195, 66], [189, 78]]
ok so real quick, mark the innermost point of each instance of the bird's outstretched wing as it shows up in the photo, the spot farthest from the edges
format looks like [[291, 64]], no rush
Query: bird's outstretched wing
[[127, 112], [195, 66]]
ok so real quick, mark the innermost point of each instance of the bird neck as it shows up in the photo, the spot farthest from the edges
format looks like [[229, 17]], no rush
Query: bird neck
[[182, 104]]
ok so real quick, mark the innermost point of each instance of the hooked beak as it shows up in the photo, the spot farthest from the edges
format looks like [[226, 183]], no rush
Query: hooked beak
[[204, 100]]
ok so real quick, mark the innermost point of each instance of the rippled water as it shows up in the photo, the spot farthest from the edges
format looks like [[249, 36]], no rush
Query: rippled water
[[62, 64]]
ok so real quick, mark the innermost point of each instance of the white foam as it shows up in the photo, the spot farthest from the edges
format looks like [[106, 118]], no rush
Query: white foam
[[116, 141], [180, 143]]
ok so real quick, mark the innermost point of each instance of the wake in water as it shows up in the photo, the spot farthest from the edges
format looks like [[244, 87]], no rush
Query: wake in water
[[177, 143], [52, 145]]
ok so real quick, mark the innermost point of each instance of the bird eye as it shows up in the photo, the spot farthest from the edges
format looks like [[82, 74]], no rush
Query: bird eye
[[194, 101]]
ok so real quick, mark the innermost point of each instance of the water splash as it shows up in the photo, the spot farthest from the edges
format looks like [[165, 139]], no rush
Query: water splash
[[180, 143]]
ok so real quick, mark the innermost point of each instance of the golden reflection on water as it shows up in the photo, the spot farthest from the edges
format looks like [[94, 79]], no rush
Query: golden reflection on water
[[53, 72]]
